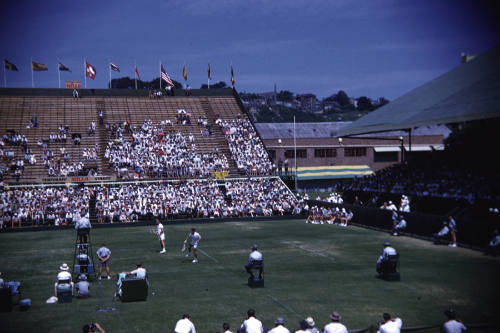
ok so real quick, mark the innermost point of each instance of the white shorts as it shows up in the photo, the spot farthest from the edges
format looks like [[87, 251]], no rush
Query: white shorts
[[194, 246], [162, 236]]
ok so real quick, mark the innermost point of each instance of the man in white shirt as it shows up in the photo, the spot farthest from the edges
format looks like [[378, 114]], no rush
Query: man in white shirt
[[254, 260], [194, 238], [335, 326], [184, 325], [390, 325], [82, 227], [63, 278], [279, 326], [386, 252], [251, 324], [139, 271], [160, 231], [452, 325]]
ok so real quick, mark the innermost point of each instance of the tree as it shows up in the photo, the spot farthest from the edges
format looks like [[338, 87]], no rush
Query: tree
[[285, 96], [364, 103], [218, 85]]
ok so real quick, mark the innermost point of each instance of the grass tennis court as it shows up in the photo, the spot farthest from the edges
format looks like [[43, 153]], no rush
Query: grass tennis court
[[310, 270]]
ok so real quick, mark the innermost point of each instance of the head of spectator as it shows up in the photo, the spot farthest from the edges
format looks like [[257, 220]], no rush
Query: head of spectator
[[250, 313], [310, 322], [279, 321], [335, 316], [64, 267], [451, 314]]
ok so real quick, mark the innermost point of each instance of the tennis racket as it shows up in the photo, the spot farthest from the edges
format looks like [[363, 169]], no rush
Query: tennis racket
[[183, 247]]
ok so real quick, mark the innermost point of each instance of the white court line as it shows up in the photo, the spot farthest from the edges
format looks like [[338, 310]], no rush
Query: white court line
[[206, 254], [318, 253], [284, 306]]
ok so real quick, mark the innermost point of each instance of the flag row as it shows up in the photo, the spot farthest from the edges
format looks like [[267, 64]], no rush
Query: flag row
[[91, 72]]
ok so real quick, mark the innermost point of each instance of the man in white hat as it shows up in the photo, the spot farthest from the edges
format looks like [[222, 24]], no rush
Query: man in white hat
[[386, 252], [335, 326], [279, 326], [63, 278], [254, 260], [310, 325]]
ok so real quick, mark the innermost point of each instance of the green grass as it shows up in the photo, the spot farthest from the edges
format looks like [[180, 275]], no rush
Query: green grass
[[310, 270]]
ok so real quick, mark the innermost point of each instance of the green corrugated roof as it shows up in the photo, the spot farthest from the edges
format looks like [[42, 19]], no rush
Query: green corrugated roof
[[468, 92]]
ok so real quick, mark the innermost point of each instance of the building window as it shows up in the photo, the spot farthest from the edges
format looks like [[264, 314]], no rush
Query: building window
[[301, 153], [353, 152], [325, 152]]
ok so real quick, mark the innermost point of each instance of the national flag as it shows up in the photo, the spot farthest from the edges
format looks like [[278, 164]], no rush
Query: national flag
[[209, 73], [90, 71], [165, 77], [10, 66], [232, 75], [137, 72], [184, 73], [114, 67], [63, 68], [37, 67]]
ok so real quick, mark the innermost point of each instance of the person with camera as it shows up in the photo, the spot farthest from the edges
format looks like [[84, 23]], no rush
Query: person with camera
[[390, 325], [93, 327]]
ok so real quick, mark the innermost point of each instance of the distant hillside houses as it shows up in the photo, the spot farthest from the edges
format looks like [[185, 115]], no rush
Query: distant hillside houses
[[272, 106]]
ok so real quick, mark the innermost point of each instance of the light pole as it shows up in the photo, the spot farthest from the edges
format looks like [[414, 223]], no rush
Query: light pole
[[295, 154]]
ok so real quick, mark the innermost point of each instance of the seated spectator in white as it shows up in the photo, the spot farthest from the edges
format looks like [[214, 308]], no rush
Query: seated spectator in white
[[82, 287], [279, 326], [439, 236], [390, 325], [335, 326], [494, 244], [251, 324], [184, 325], [452, 325], [139, 271], [398, 225], [63, 278]]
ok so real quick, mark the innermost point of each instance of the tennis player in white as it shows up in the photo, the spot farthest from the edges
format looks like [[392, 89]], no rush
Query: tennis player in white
[[160, 231], [194, 238]]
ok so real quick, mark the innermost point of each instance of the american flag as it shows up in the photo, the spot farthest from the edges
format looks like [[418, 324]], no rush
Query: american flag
[[165, 76]]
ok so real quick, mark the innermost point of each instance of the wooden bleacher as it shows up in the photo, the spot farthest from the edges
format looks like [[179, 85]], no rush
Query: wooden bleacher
[[77, 114]]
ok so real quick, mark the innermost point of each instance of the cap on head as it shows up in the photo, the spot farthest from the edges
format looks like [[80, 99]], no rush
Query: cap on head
[[138, 264], [310, 321], [279, 321], [82, 277], [387, 244], [450, 313], [335, 316], [254, 247]]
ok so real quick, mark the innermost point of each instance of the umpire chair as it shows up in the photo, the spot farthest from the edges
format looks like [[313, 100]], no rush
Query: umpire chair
[[390, 268], [256, 281], [83, 259]]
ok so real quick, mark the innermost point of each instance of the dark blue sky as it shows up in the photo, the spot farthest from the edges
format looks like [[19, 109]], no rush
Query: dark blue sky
[[367, 47]]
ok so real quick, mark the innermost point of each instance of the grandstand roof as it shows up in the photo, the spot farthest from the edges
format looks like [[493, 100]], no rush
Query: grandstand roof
[[468, 92], [331, 129]]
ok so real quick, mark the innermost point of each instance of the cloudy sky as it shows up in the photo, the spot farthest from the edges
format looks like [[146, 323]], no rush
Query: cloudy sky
[[365, 47]]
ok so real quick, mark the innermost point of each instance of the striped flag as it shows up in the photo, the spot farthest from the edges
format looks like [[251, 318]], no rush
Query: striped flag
[[10, 66], [165, 77], [37, 67], [209, 73], [114, 67], [184, 73], [63, 68], [137, 72], [232, 76]]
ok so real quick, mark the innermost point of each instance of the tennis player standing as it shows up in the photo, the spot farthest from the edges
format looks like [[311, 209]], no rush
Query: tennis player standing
[[194, 239], [160, 231]]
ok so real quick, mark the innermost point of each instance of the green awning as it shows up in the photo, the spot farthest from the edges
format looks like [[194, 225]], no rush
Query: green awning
[[331, 172]]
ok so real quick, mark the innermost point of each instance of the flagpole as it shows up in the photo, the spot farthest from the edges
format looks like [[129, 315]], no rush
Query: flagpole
[[32, 76], [59, 73], [4, 75], [208, 79], [109, 74], [160, 74], [135, 74], [85, 71]]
